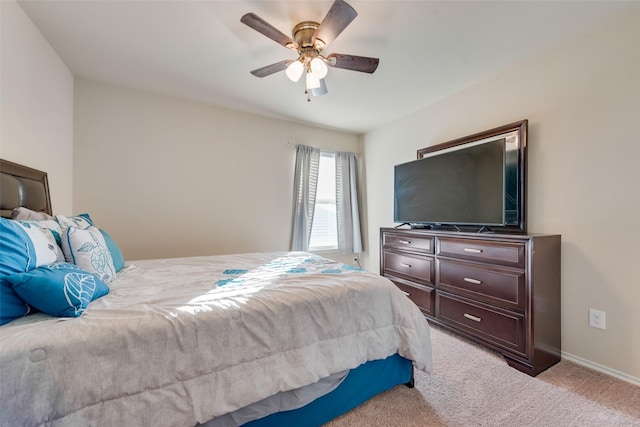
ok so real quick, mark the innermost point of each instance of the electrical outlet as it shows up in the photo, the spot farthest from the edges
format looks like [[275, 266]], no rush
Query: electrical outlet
[[597, 318]]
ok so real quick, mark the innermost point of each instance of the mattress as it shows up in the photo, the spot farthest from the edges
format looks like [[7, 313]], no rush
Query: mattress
[[182, 341]]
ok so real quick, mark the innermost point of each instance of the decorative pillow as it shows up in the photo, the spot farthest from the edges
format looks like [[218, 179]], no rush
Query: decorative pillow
[[11, 305], [47, 224], [46, 249], [18, 255], [51, 231], [80, 221], [24, 247], [60, 289], [116, 253], [23, 213], [87, 249]]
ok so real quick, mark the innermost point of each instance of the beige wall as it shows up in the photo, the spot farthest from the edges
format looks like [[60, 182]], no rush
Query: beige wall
[[171, 178], [583, 104], [36, 118]]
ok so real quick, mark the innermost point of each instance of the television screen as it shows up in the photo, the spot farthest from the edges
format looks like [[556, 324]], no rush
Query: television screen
[[463, 185]]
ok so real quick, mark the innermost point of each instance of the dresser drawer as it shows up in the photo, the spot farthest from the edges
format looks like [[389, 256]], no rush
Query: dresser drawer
[[493, 285], [409, 242], [501, 328], [415, 268], [503, 253], [422, 296]]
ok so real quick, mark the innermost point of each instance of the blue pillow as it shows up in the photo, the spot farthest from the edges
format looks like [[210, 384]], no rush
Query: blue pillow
[[18, 252], [116, 253], [60, 289], [11, 305], [18, 255]]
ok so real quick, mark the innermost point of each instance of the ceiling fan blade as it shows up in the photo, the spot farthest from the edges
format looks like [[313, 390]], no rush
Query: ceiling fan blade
[[271, 69], [363, 64], [335, 21], [320, 90], [262, 26]]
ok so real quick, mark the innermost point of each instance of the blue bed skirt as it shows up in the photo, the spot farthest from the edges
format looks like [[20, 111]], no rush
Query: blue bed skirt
[[360, 385]]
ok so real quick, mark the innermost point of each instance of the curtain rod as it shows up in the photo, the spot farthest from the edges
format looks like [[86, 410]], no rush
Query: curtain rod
[[291, 144]]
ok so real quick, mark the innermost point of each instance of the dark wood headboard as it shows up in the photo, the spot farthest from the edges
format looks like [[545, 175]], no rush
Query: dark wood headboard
[[23, 186]]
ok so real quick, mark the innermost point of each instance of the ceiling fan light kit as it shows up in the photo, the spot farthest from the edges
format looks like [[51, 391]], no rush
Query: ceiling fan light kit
[[318, 67], [309, 39], [294, 70]]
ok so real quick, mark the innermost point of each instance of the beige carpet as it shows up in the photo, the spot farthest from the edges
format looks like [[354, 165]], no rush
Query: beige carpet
[[472, 386]]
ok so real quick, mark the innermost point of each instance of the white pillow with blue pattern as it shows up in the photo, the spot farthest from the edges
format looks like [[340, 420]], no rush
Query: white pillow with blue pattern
[[46, 250], [80, 221], [51, 231], [86, 248]]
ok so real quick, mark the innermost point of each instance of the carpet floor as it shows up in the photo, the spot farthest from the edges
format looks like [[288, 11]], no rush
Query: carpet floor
[[473, 386]]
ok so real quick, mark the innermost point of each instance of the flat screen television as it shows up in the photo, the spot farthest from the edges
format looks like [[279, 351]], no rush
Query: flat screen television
[[476, 183]]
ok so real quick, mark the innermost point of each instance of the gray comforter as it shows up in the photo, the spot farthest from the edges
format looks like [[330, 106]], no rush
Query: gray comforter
[[181, 341]]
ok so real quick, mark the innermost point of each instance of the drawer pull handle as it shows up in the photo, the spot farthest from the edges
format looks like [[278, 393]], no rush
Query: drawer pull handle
[[406, 293], [473, 250], [405, 242], [405, 265], [474, 281], [471, 317]]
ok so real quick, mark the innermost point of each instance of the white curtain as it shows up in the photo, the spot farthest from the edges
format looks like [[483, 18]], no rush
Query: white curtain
[[347, 209], [304, 199], [304, 195]]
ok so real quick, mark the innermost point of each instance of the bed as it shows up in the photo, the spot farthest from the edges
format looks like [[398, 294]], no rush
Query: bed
[[262, 339]]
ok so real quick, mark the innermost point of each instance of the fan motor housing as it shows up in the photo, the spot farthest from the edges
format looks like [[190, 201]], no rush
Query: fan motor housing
[[303, 34]]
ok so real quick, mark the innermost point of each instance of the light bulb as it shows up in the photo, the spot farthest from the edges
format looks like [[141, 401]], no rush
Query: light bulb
[[313, 82], [319, 68], [294, 71]]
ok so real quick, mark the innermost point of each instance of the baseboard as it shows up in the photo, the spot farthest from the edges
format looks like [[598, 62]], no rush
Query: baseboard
[[600, 368]]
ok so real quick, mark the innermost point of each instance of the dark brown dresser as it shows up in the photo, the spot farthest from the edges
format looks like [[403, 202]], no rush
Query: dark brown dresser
[[499, 290]]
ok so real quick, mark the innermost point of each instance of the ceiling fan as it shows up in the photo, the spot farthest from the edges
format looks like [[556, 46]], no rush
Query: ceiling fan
[[309, 40]]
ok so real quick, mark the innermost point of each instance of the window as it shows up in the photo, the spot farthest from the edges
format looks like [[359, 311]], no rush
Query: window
[[324, 229], [325, 202]]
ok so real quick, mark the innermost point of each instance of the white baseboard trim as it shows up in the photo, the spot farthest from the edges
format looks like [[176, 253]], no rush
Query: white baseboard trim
[[601, 368]]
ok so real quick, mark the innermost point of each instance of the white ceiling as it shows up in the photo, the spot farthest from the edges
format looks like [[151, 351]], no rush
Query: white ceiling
[[199, 50]]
